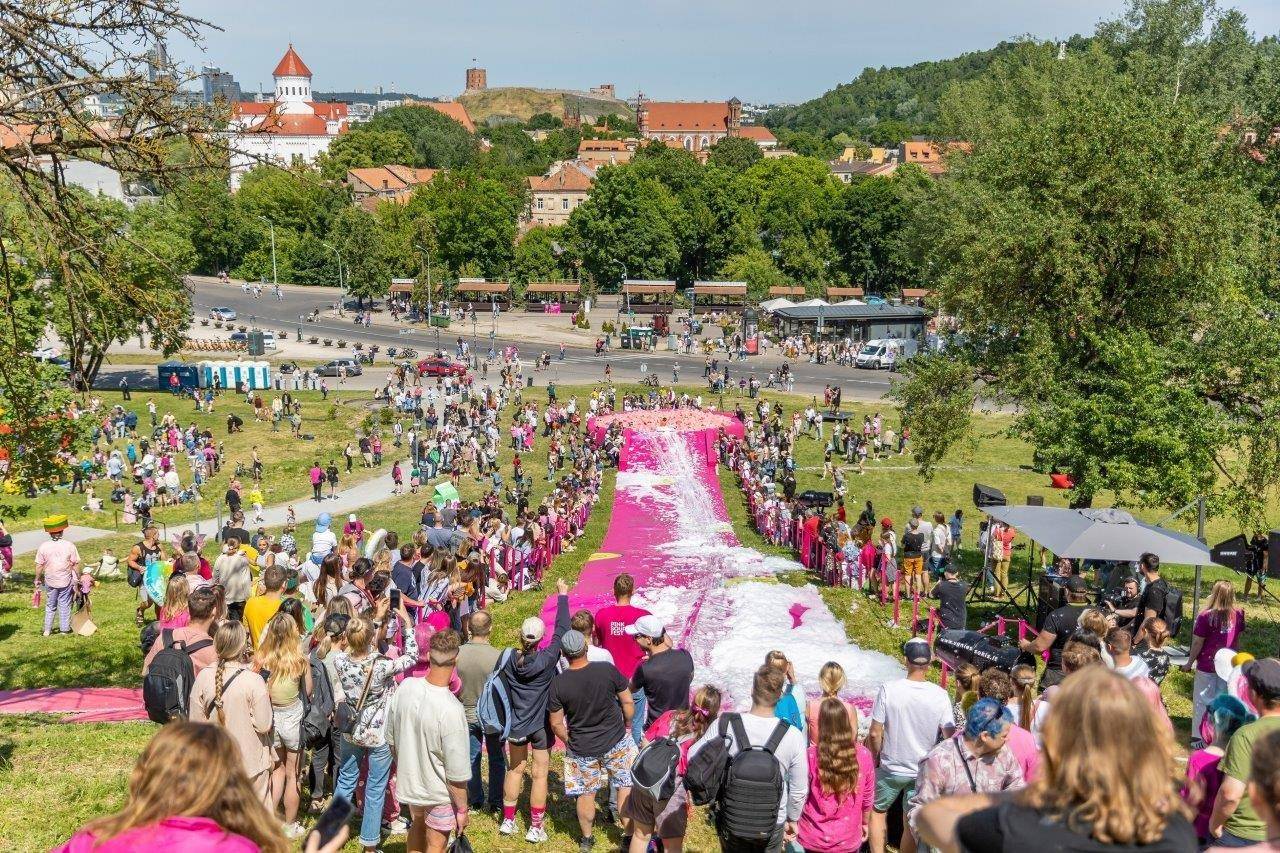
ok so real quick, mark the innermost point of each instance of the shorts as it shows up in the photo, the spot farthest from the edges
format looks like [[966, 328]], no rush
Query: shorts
[[439, 818], [584, 774], [912, 566], [669, 818], [889, 786], [540, 739], [286, 730]]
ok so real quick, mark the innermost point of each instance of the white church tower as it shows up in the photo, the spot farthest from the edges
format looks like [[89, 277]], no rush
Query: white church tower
[[293, 85]]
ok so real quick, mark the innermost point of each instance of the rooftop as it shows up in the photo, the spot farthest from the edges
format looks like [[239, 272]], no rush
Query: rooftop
[[854, 312], [291, 65]]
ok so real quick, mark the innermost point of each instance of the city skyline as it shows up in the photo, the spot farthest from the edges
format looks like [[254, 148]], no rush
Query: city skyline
[[676, 51]]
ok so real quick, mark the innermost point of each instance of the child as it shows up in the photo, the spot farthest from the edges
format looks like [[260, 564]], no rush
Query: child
[[1226, 714], [966, 676], [415, 479], [397, 477], [174, 614], [1157, 633], [290, 518], [255, 499]]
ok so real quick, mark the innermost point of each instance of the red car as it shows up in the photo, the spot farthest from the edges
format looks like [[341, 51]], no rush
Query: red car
[[441, 367]]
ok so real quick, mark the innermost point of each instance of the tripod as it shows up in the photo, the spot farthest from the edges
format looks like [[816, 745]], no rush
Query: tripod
[[1007, 599]]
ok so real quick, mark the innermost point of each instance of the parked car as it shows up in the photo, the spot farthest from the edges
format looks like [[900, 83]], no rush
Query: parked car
[[223, 314], [268, 339], [333, 368], [441, 367]]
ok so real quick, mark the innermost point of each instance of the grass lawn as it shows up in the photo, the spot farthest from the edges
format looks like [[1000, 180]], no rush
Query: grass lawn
[[81, 770]]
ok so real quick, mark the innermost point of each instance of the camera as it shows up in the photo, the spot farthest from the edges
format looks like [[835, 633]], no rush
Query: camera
[[958, 646]]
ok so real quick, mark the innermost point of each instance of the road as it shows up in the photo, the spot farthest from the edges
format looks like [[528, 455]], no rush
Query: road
[[581, 365]]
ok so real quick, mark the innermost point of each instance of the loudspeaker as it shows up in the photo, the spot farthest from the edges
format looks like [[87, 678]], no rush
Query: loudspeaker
[[812, 497], [1035, 500], [1273, 547], [1234, 553], [984, 496]]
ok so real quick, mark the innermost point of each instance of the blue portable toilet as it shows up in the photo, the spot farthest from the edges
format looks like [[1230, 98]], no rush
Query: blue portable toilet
[[188, 375]]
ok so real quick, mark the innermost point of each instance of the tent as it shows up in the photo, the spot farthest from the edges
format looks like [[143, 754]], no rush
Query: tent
[[776, 304], [1100, 534], [851, 302], [811, 303], [444, 493]]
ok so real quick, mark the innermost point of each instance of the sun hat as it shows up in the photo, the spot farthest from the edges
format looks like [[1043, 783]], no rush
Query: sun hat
[[55, 523]]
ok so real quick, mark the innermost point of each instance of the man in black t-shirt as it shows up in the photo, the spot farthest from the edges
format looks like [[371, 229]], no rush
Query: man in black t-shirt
[[1151, 601], [235, 527], [591, 710], [1058, 628], [667, 673], [950, 592]]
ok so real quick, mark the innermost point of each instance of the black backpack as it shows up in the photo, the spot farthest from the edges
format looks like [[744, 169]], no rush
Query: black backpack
[[747, 808], [317, 718], [166, 688], [654, 769], [147, 636], [1171, 613]]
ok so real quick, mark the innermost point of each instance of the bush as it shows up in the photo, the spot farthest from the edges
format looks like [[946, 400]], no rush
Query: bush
[[333, 412], [204, 322], [342, 344], [608, 328], [359, 345], [386, 416]]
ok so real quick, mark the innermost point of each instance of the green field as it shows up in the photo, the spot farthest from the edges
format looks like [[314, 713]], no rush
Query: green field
[[80, 770]]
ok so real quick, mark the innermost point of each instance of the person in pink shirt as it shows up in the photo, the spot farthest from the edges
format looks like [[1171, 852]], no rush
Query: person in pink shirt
[[57, 566], [354, 527], [188, 792], [1218, 626], [316, 475], [1225, 715], [842, 781], [997, 684], [611, 635]]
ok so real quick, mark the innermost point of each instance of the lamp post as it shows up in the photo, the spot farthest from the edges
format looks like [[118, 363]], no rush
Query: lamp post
[[274, 278], [427, 252]]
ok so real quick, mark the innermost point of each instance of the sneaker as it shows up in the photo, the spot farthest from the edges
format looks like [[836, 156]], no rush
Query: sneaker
[[535, 835], [508, 827], [399, 826], [586, 845], [294, 830]]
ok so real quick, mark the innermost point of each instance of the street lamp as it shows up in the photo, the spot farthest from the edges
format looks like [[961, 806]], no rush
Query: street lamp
[[427, 252], [274, 279], [342, 289]]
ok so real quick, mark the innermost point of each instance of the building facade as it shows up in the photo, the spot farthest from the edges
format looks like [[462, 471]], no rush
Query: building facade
[[386, 183], [290, 128], [219, 85], [693, 126], [477, 79], [555, 195]]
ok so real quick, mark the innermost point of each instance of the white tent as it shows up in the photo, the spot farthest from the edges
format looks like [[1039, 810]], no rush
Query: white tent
[[812, 303], [851, 302], [777, 304]]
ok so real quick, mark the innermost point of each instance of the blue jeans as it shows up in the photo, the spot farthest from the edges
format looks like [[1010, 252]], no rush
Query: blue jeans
[[375, 787], [637, 722], [1229, 840], [57, 599], [492, 744]]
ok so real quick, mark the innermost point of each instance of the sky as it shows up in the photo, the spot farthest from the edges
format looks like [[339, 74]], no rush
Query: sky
[[762, 51]]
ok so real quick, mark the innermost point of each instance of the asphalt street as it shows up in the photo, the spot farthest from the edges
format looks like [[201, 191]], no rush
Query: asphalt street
[[580, 365]]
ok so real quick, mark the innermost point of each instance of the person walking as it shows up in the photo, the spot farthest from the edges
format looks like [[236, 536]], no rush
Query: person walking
[[57, 571], [316, 475], [426, 729], [331, 477], [906, 719], [591, 709], [476, 660], [285, 668]]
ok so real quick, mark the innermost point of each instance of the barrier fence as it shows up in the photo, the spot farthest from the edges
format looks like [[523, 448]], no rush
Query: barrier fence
[[525, 568]]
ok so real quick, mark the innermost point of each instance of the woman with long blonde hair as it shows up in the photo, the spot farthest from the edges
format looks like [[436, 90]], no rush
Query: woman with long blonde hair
[[1216, 627], [173, 613], [288, 674], [188, 791], [831, 680], [837, 812], [234, 697], [1105, 781]]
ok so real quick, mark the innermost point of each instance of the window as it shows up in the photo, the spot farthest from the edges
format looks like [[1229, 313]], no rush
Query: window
[[688, 143], [539, 204], [564, 204], [705, 143]]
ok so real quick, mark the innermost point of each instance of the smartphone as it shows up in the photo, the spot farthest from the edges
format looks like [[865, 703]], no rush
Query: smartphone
[[334, 818], [395, 600]]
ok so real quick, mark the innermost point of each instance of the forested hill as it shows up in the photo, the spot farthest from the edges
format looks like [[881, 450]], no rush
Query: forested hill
[[887, 105]]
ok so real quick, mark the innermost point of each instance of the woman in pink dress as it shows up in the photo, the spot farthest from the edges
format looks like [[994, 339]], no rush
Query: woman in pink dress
[[841, 785]]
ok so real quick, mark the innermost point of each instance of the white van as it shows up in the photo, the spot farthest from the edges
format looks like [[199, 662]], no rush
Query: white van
[[885, 353]]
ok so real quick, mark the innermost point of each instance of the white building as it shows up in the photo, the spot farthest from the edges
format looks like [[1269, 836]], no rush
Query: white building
[[289, 129]]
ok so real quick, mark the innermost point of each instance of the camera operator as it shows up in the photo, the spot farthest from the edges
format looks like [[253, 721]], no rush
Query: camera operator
[[1151, 602], [1058, 628], [1123, 599]]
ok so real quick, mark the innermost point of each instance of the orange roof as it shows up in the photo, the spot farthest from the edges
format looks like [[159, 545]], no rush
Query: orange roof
[[453, 109], [571, 177], [252, 108], [758, 133], [21, 135], [289, 124], [329, 110], [602, 145], [392, 178], [291, 65], [678, 115]]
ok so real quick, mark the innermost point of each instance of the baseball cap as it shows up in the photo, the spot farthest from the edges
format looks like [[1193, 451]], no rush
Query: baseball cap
[[917, 510], [917, 650], [1264, 677], [533, 629], [647, 626], [351, 517], [573, 643]]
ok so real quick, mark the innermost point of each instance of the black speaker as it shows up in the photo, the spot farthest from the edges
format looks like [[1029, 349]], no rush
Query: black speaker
[[1035, 500], [984, 496], [811, 497], [1234, 553], [958, 646], [1273, 547]]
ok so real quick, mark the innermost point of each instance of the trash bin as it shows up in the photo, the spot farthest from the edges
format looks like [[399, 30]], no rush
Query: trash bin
[[671, 343], [528, 383]]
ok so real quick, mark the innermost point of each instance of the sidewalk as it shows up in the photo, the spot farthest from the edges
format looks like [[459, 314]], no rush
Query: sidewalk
[[351, 499]]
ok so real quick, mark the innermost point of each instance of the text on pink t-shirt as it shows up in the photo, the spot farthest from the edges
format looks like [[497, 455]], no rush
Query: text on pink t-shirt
[[611, 635]]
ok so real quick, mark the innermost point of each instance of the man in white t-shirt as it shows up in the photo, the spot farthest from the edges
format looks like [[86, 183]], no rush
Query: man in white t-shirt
[[909, 717], [426, 728], [939, 544]]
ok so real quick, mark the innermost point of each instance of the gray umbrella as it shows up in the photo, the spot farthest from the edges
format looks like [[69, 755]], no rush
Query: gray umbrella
[[1100, 534]]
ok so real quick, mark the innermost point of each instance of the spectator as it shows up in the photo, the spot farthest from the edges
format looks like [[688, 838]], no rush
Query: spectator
[[591, 710], [1264, 788], [1218, 626], [939, 545], [757, 728], [831, 680], [996, 684], [1235, 822], [427, 729], [837, 812], [975, 760], [1150, 602], [1104, 783], [1119, 645], [950, 593], [1224, 717], [913, 548], [1075, 657], [1058, 628], [201, 605], [1155, 656], [907, 718], [231, 572], [584, 623], [476, 660], [611, 635], [259, 609], [58, 567], [666, 675], [788, 706]]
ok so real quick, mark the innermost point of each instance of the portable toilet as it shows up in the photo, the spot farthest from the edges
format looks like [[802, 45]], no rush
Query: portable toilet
[[259, 375], [206, 373], [188, 376], [222, 369]]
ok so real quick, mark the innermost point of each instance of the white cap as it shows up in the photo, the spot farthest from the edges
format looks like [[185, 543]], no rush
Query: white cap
[[351, 517], [533, 629], [647, 626]]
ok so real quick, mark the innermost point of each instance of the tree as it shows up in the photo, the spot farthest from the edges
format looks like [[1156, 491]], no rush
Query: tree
[[1104, 282], [362, 148], [364, 258], [536, 258], [543, 121], [734, 153], [297, 199], [756, 267], [473, 219], [219, 229], [793, 198], [626, 224], [869, 223]]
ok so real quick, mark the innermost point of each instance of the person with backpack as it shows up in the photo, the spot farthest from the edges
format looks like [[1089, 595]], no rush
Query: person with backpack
[[591, 710], [477, 659], [527, 679], [754, 768], [1157, 599], [659, 801], [201, 607], [233, 696]]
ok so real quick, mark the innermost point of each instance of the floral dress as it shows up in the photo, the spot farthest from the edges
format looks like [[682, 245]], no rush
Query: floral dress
[[368, 730]]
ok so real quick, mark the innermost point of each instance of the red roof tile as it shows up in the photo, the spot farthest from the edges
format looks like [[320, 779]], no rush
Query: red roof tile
[[291, 65], [758, 133], [569, 178], [678, 115]]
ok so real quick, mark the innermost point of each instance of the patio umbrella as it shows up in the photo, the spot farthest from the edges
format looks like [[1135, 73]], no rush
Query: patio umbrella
[[1101, 534], [444, 493]]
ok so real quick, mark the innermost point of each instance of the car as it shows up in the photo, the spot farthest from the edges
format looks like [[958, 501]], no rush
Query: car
[[885, 353], [239, 337], [268, 339], [333, 368], [441, 367], [224, 314]]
